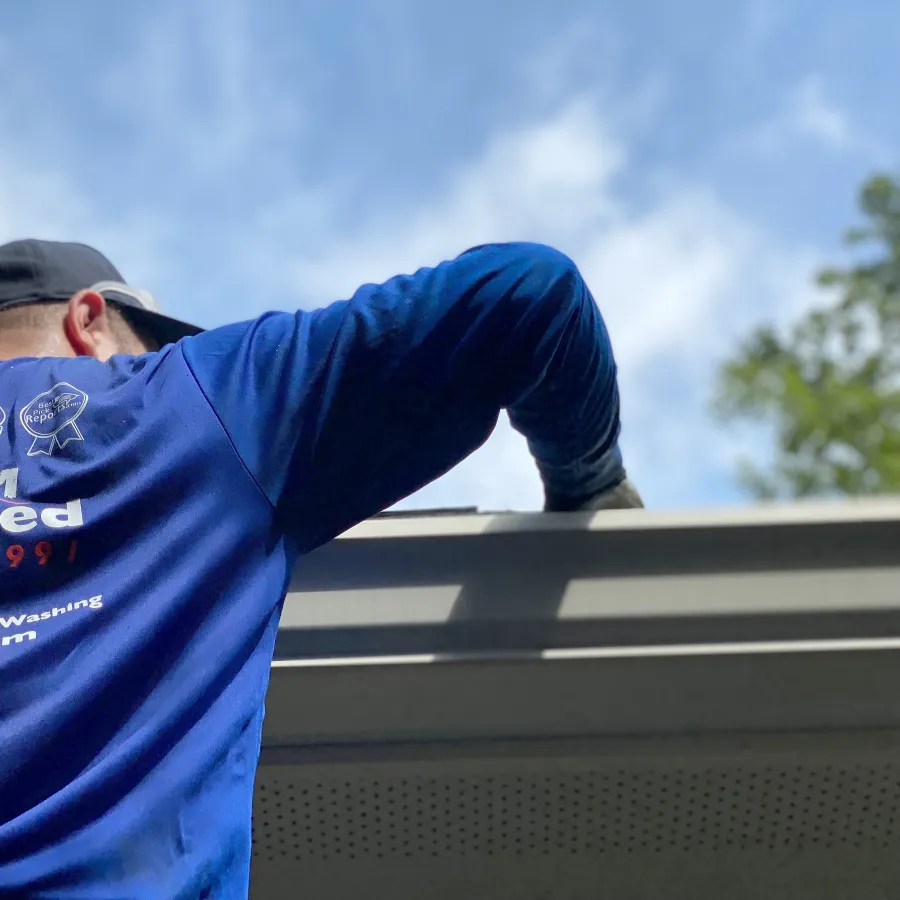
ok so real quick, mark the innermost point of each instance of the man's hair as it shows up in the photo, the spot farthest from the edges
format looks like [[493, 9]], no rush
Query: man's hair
[[130, 335]]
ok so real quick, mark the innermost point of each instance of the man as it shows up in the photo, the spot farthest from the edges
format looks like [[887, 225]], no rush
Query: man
[[159, 483]]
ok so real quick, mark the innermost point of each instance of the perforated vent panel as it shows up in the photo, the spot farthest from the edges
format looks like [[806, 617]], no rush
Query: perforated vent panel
[[503, 814], [593, 812]]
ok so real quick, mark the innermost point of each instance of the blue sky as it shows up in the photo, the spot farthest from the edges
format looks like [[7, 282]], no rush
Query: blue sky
[[697, 160]]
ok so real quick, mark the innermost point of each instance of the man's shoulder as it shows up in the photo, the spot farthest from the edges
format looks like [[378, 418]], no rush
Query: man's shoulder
[[51, 386]]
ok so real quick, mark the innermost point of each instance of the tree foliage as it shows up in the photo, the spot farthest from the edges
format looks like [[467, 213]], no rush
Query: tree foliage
[[829, 386]]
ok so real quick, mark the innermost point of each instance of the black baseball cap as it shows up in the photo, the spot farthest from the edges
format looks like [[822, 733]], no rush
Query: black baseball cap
[[33, 271]]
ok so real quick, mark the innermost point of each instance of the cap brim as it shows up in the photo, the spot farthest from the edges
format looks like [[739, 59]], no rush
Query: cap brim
[[164, 329]]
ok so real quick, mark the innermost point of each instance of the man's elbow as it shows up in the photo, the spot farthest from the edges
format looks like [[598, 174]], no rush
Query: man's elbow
[[534, 271]]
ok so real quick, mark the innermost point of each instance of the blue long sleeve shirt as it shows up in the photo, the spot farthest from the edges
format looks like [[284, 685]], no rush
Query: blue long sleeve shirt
[[152, 509]]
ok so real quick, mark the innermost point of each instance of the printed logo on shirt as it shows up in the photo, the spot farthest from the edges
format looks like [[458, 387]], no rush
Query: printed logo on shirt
[[17, 517], [33, 617], [17, 621], [50, 418], [2, 419], [38, 531]]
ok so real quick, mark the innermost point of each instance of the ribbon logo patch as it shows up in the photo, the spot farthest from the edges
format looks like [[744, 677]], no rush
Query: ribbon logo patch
[[50, 418]]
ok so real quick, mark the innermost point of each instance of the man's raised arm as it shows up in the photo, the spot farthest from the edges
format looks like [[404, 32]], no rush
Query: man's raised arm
[[341, 412]]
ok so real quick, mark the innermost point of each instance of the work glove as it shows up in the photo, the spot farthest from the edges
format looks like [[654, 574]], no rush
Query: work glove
[[623, 496]]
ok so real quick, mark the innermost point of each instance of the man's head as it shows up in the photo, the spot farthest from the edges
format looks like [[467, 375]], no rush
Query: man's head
[[61, 299]]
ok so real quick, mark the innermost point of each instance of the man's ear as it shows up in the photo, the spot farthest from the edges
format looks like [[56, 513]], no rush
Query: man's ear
[[88, 326]]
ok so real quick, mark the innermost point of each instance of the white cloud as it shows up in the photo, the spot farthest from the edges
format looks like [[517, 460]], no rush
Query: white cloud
[[189, 79], [756, 23], [807, 114], [37, 200], [547, 182], [42, 197], [813, 115], [675, 284]]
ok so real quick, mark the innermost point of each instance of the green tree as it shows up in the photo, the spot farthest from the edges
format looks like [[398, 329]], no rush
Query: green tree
[[829, 386]]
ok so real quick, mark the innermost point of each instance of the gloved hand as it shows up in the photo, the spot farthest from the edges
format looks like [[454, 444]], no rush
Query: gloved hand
[[623, 496]]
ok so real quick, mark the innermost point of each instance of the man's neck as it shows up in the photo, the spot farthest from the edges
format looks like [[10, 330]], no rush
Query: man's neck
[[22, 343]]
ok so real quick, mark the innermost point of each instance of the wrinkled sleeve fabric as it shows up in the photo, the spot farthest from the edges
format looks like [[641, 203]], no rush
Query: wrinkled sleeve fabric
[[340, 412]]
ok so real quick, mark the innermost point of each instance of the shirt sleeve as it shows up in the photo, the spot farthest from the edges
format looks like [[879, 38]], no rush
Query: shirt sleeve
[[340, 412]]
